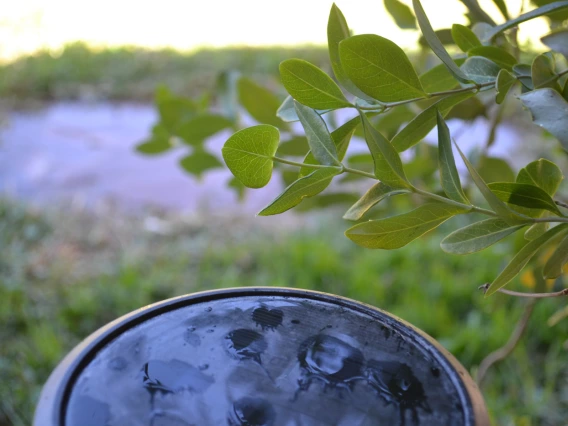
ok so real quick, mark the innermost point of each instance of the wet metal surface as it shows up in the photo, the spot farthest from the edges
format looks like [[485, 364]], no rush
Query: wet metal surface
[[268, 361]]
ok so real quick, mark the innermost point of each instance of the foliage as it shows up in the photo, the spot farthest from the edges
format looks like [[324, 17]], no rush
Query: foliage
[[381, 79], [106, 265]]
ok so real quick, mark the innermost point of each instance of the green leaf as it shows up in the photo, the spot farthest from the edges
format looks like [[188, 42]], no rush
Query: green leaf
[[397, 231], [480, 69], [505, 80], [495, 54], [449, 176], [542, 173], [401, 13], [435, 44], [523, 73], [424, 122], [464, 37], [310, 86], [536, 230], [337, 31], [557, 41], [379, 68], [320, 141], [373, 196], [195, 130], [341, 138], [154, 146], [477, 236], [296, 146], [248, 154], [544, 10], [542, 73], [444, 35], [510, 216], [553, 268], [326, 200], [493, 169], [388, 166], [522, 258], [260, 103], [550, 111], [502, 6], [308, 186], [468, 110], [175, 111], [439, 79], [477, 13], [198, 162], [524, 195]]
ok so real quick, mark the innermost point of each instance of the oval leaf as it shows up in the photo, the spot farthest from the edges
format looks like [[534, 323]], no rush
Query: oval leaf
[[523, 73], [337, 31], [319, 139], [495, 54], [373, 196], [379, 68], [522, 258], [480, 69], [195, 130], [310, 86], [449, 176], [550, 111], [477, 236], [397, 231], [464, 37], [524, 195], [401, 14], [424, 122], [154, 146], [503, 84], [510, 216], [542, 73], [388, 166], [542, 173], [199, 162], [553, 268], [341, 138], [308, 186], [259, 102], [439, 79], [435, 43], [557, 41], [248, 154]]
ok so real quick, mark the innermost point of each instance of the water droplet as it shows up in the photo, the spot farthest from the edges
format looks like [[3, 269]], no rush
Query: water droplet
[[330, 360], [251, 412], [435, 371], [267, 319]]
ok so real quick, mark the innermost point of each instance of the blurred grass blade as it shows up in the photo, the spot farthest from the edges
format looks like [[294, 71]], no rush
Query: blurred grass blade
[[387, 163], [554, 265], [544, 10], [379, 68], [373, 196], [477, 236], [310, 86], [319, 139], [449, 176], [308, 186], [248, 154], [522, 258], [397, 231], [419, 127], [496, 204], [435, 43]]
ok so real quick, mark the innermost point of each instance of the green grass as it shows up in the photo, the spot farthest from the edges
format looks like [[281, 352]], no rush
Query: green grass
[[132, 73], [63, 274]]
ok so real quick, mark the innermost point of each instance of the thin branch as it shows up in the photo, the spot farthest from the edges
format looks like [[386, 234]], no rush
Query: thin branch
[[453, 203], [504, 351], [560, 293], [294, 163], [561, 204], [359, 172]]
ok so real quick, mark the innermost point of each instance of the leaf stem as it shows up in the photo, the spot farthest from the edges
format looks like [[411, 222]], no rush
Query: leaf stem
[[550, 220], [359, 172], [454, 203], [560, 293], [294, 163]]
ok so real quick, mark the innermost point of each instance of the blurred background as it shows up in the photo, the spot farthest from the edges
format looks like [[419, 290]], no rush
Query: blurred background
[[98, 217]]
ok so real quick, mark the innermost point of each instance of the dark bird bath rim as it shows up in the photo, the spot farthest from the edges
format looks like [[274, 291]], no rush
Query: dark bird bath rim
[[56, 394]]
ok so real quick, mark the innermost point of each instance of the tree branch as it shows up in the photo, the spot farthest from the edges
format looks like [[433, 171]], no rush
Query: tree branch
[[560, 293], [504, 351]]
